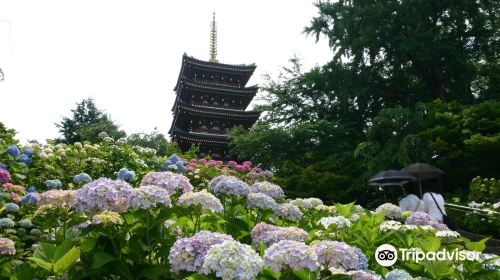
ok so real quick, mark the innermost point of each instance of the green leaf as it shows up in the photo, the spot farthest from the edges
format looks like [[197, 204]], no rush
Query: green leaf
[[262, 247], [67, 261], [102, 258], [87, 244], [20, 176], [303, 274], [7, 269], [41, 263], [270, 273], [431, 244], [197, 277], [478, 246], [45, 251], [62, 249]]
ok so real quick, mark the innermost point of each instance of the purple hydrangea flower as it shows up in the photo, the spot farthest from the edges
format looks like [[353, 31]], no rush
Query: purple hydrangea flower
[[3, 166], [269, 234], [103, 194], [269, 189], [424, 219], [31, 189], [11, 207], [146, 197], [188, 254], [229, 185], [170, 181], [7, 246], [4, 176], [339, 255], [291, 254], [12, 150], [232, 260], [288, 211]]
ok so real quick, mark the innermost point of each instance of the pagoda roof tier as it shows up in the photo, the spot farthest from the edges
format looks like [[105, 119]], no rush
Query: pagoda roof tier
[[191, 65], [187, 111], [201, 138], [217, 88], [188, 88], [206, 111]]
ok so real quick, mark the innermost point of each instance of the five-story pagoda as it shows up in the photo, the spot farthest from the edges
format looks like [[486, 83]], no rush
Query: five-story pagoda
[[211, 99]]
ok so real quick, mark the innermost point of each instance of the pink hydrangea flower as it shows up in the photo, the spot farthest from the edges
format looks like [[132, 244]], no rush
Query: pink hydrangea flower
[[4, 176]]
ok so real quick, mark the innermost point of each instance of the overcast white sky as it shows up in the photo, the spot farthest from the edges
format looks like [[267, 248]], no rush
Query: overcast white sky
[[127, 54]]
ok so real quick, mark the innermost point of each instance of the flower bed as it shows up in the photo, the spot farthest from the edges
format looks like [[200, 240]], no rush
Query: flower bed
[[199, 219]]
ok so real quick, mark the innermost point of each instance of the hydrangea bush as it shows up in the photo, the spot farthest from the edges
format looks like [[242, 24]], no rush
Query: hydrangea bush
[[68, 212]]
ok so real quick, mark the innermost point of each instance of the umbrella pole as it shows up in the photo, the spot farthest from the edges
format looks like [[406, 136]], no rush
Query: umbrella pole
[[420, 187]]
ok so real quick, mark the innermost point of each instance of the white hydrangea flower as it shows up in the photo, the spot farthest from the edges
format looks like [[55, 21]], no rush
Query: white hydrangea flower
[[261, 201], [447, 235], [393, 211], [206, 200], [233, 260], [338, 221]]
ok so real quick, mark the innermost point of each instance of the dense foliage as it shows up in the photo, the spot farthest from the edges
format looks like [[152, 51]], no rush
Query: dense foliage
[[409, 82], [85, 124]]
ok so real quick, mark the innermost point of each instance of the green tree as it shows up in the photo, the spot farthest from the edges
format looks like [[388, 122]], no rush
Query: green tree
[[414, 50], [86, 123], [154, 140]]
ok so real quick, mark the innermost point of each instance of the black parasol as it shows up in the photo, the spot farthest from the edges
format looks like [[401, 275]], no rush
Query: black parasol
[[391, 178], [423, 171]]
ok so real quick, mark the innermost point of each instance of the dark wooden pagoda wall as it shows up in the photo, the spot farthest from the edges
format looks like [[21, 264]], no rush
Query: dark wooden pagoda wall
[[211, 99]]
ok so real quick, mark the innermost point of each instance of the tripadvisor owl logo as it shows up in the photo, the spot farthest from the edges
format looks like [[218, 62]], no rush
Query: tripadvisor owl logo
[[386, 255]]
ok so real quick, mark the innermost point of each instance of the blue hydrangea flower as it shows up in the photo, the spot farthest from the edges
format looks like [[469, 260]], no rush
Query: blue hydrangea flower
[[180, 166], [173, 159], [25, 159], [11, 207], [53, 184], [3, 166], [174, 162], [28, 151], [31, 198], [12, 150], [398, 274], [82, 178], [6, 223], [26, 223], [229, 185], [126, 175], [31, 189]]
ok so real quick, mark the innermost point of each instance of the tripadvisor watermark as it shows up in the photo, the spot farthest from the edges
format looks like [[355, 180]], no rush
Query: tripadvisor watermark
[[387, 255]]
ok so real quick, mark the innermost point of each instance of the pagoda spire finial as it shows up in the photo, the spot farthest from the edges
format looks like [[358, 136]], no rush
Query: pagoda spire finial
[[213, 41]]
